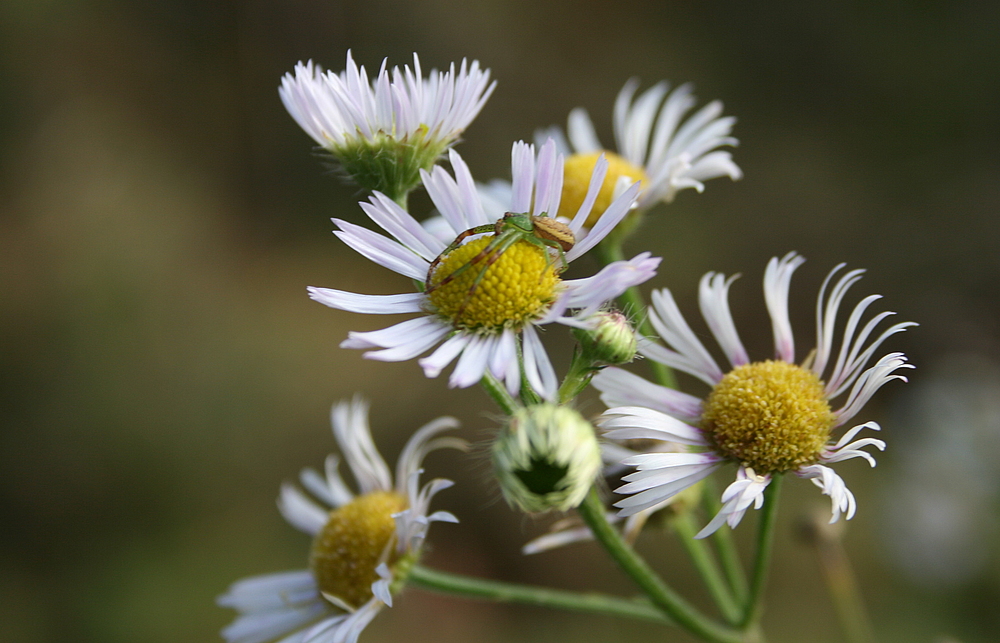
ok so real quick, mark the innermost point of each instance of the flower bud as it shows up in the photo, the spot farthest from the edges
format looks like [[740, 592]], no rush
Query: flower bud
[[547, 457], [610, 340]]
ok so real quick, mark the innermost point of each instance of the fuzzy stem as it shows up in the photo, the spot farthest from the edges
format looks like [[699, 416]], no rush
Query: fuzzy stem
[[706, 565], [591, 602], [665, 598], [401, 199], [499, 394], [581, 371]]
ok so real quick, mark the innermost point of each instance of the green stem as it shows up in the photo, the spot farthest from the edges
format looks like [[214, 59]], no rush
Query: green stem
[[705, 563], [633, 304], [728, 554], [581, 371], [679, 610], [765, 538], [499, 394], [594, 603], [401, 199]]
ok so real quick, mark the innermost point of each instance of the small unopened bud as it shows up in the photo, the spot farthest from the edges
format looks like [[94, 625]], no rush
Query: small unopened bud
[[610, 340], [547, 457]]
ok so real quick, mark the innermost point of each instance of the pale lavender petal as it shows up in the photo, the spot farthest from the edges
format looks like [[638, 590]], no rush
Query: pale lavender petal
[[301, 512], [537, 367], [434, 363], [832, 485], [713, 299], [581, 132], [368, 304], [636, 422], [523, 176], [387, 214], [622, 388], [473, 362], [777, 278], [382, 250]]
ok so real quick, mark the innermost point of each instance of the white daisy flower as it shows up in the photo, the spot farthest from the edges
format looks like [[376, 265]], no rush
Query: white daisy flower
[[483, 302], [384, 132], [362, 548], [654, 146], [769, 417]]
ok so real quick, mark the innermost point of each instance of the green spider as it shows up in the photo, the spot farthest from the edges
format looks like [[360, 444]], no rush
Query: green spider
[[541, 231]]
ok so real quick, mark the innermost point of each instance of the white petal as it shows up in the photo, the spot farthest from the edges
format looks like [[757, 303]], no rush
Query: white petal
[[382, 250], [621, 388], [367, 304], [353, 435], [713, 298], [419, 332], [581, 132], [636, 422], [690, 355], [473, 362], [537, 367], [300, 511], [777, 278], [434, 363]]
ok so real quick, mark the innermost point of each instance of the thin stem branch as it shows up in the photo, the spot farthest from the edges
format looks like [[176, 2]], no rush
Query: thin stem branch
[[679, 610], [581, 371], [724, 542], [401, 199], [499, 394], [704, 562], [591, 602], [765, 538]]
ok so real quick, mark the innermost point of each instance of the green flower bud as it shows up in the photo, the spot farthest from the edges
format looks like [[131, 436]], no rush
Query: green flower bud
[[547, 457], [611, 340]]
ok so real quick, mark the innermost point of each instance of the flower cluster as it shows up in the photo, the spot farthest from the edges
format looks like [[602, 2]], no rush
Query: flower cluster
[[487, 268]]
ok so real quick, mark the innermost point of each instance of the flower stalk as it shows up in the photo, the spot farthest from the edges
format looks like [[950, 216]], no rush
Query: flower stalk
[[661, 595], [503, 592]]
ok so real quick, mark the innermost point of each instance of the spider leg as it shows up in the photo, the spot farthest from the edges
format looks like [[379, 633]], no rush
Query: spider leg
[[462, 236], [544, 245], [499, 247], [461, 269]]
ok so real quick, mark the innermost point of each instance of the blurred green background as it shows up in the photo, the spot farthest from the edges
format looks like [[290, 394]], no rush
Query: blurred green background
[[163, 370]]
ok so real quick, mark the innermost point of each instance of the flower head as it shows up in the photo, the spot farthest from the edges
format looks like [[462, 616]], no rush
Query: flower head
[[491, 288], [654, 146], [362, 549], [769, 417], [546, 457], [383, 133]]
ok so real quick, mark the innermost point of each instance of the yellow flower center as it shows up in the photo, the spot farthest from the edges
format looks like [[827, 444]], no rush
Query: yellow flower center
[[771, 416], [576, 179], [346, 552], [504, 291]]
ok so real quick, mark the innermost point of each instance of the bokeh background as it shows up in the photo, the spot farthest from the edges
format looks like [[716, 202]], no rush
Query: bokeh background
[[163, 371]]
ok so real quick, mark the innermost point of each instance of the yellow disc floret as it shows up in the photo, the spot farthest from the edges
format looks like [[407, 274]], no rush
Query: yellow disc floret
[[771, 416], [351, 545], [576, 180], [512, 290]]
